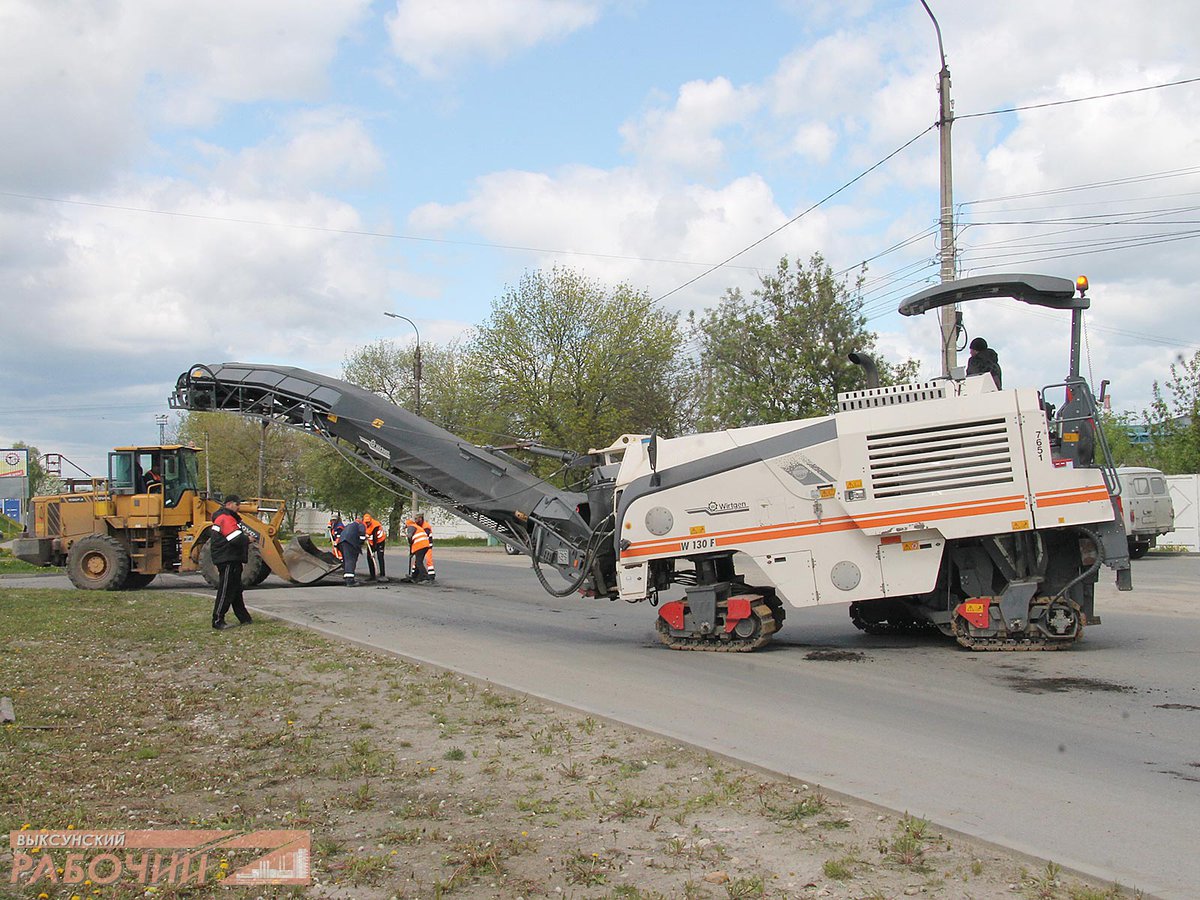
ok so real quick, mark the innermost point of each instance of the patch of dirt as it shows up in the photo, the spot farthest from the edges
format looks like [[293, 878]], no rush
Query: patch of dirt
[[1176, 706], [1033, 684], [417, 783], [835, 655]]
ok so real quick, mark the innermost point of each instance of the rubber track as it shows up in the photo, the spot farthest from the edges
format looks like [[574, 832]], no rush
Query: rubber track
[[903, 626], [1015, 645], [722, 642]]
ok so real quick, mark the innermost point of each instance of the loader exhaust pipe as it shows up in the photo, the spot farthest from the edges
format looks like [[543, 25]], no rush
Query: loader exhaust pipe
[[868, 366]]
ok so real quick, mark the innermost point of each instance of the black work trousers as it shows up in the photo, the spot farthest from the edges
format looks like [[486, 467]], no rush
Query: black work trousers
[[375, 560], [419, 572], [349, 560], [229, 594]]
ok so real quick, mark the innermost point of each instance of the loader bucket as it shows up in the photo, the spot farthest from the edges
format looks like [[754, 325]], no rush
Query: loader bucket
[[306, 563]]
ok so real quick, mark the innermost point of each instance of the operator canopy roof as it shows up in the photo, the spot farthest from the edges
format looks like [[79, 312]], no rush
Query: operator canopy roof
[[1038, 290]]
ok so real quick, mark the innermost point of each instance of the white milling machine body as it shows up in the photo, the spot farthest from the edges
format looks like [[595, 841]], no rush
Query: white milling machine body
[[949, 505]]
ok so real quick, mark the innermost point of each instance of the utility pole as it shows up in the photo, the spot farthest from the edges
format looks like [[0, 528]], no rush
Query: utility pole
[[949, 314], [162, 428], [262, 456]]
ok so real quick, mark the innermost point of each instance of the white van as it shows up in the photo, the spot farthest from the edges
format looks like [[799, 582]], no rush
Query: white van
[[1148, 508]]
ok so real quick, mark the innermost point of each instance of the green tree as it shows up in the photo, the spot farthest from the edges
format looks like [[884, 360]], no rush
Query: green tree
[[571, 363], [1117, 429], [1173, 419], [247, 457], [783, 355]]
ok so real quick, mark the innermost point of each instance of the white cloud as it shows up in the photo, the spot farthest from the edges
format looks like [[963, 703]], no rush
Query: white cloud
[[84, 83], [814, 141], [314, 150], [684, 136], [432, 36], [636, 227]]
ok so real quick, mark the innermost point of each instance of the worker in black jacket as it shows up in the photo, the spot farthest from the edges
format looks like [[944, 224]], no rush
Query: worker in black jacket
[[350, 543], [984, 359], [230, 549]]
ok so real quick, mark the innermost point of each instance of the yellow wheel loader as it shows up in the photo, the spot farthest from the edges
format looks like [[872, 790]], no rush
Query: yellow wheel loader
[[149, 517]]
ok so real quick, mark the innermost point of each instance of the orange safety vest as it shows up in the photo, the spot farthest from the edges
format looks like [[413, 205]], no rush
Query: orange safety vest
[[335, 531], [376, 536], [419, 539], [422, 536]]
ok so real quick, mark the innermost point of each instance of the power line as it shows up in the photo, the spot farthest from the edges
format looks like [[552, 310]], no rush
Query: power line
[[792, 221], [1012, 109], [353, 232]]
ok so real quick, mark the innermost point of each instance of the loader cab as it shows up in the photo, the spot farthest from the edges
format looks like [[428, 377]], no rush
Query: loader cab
[[168, 471]]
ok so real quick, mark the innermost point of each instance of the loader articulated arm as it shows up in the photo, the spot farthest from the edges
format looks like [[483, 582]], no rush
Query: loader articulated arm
[[487, 489]]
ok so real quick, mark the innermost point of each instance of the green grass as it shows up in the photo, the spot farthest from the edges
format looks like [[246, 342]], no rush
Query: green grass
[[10, 565], [132, 712]]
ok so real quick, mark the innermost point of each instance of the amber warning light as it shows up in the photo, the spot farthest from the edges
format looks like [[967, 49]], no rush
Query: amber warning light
[[1081, 285]]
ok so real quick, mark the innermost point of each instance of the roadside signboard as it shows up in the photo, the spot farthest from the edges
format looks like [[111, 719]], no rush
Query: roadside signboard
[[14, 463]]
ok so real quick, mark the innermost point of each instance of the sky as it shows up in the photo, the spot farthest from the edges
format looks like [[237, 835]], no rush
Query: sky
[[261, 180]]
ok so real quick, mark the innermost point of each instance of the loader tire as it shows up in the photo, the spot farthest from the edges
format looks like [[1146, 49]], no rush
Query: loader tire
[[136, 581], [98, 563], [254, 568]]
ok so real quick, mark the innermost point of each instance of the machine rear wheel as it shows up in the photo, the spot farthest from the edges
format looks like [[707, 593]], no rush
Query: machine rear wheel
[[98, 563]]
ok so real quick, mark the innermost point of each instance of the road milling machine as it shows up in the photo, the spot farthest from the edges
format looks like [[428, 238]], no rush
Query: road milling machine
[[946, 505], [149, 517]]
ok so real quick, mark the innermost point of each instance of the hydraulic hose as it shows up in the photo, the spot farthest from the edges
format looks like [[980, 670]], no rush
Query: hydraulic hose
[[1091, 570], [584, 570]]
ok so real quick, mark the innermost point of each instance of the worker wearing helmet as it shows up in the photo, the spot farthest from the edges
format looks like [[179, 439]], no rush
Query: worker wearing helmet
[[376, 542], [418, 548], [335, 527]]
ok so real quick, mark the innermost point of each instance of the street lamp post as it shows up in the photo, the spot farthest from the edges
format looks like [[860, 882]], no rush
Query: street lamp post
[[949, 314], [416, 376], [416, 359]]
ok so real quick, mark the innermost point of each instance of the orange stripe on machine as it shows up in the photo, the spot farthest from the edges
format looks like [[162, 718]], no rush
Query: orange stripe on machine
[[913, 515], [1087, 494]]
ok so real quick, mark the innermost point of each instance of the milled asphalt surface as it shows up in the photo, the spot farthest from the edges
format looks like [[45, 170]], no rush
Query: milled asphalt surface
[[1089, 757]]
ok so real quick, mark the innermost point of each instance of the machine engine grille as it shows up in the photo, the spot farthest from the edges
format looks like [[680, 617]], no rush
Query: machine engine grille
[[893, 395], [944, 457]]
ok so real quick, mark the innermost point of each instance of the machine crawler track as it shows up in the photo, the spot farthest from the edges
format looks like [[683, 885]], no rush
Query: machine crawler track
[[882, 617], [1028, 640], [766, 621]]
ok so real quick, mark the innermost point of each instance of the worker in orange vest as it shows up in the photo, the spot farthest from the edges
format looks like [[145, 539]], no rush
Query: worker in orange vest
[[419, 543], [376, 541], [335, 527], [429, 569]]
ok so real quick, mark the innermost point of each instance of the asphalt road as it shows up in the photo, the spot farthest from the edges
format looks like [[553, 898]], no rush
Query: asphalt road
[[1089, 757]]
